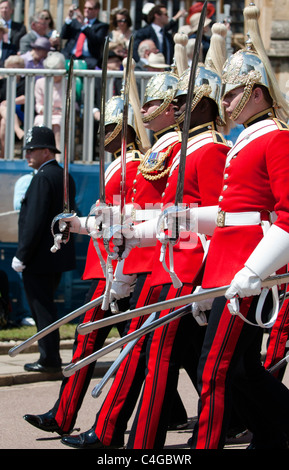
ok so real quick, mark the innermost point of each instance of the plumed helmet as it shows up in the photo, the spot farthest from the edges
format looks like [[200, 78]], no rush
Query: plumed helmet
[[161, 86], [114, 115], [244, 68], [207, 84], [251, 66]]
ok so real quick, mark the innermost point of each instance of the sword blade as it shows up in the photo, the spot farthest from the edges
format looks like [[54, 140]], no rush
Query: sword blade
[[124, 126], [54, 326], [102, 122], [143, 330], [279, 364], [66, 137], [86, 328], [187, 119], [115, 365]]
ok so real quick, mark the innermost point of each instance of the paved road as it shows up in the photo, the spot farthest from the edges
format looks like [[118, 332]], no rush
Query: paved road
[[17, 400]]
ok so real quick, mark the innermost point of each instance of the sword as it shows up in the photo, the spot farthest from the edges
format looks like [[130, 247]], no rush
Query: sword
[[187, 119], [54, 326], [183, 155], [142, 331], [66, 209], [279, 364], [85, 328], [113, 368], [108, 233], [102, 123]]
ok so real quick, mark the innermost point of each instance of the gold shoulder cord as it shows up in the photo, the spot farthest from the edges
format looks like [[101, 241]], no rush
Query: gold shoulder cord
[[146, 171]]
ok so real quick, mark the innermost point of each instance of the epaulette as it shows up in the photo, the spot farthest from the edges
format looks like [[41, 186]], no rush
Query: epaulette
[[219, 138], [281, 124], [136, 155]]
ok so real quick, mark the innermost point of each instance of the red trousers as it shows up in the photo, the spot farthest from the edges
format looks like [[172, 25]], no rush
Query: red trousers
[[73, 388], [231, 359], [170, 347]]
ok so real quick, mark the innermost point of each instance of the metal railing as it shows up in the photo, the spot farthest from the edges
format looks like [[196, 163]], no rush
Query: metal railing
[[82, 148]]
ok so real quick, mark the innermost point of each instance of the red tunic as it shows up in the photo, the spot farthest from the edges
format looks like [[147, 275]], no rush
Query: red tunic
[[93, 269], [206, 156], [148, 192], [255, 179]]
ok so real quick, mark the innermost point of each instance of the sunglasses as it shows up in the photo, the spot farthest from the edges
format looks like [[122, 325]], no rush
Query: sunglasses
[[45, 17], [121, 21]]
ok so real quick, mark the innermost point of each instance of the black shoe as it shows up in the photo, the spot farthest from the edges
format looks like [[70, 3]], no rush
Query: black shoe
[[45, 422], [37, 367], [87, 440]]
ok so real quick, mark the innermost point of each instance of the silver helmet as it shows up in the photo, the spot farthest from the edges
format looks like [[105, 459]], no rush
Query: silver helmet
[[114, 115], [244, 68], [251, 66], [207, 84], [161, 86]]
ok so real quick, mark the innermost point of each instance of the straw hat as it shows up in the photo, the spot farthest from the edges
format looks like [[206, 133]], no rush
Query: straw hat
[[194, 22], [157, 61]]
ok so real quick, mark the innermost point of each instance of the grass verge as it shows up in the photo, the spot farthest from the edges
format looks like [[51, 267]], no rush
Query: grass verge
[[24, 332]]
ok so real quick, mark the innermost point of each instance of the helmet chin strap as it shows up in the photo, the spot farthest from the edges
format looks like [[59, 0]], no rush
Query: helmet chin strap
[[243, 101]]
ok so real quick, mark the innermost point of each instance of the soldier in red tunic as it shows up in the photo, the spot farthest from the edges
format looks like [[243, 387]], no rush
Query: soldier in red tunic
[[178, 343], [250, 242], [145, 196], [62, 417]]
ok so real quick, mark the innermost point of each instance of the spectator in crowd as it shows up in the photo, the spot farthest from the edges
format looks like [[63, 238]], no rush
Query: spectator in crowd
[[145, 48], [34, 58], [41, 269], [6, 49], [155, 30], [23, 313], [13, 61], [156, 63], [172, 23], [54, 60], [85, 34], [120, 31], [51, 32], [194, 22], [15, 29], [38, 29], [197, 7]]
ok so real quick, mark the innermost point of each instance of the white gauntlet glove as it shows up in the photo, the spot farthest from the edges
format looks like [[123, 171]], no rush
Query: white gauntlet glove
[[123, 284], [202, 219], [17, 265], [244, 284], [271, 254], [199, 308], [141, 235]]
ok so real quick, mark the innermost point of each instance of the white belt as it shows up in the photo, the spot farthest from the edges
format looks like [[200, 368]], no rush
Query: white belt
[[225, 219]]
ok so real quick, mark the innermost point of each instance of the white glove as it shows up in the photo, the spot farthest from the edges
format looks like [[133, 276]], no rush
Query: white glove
[[17, 265], [271, 254], [172, 221], [141, 235], [202, 219], [123, 284], [244, 284], [198, 308], [80, 224]]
